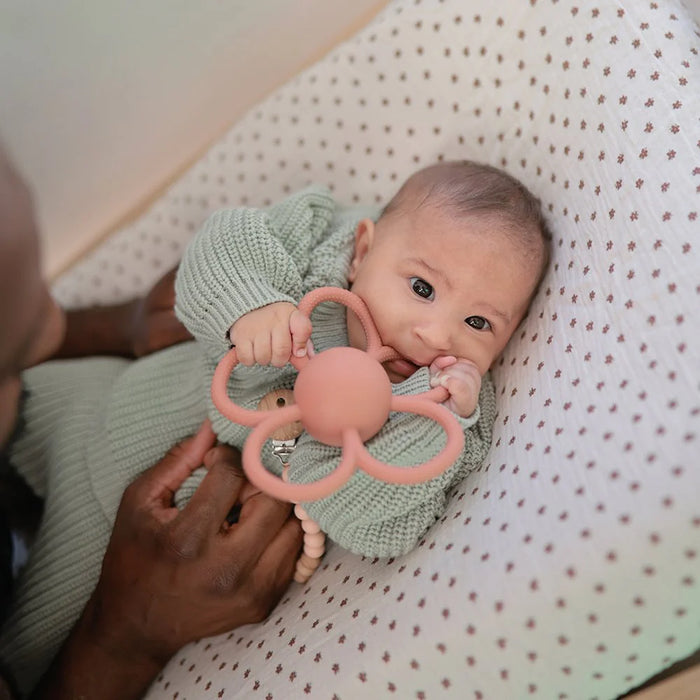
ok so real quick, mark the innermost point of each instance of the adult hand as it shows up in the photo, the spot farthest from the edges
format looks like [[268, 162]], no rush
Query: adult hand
[[170, 577], [132, 329], [154, 324]]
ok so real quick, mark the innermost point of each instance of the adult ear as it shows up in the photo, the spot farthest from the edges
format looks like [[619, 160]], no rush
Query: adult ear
[[364, 235]]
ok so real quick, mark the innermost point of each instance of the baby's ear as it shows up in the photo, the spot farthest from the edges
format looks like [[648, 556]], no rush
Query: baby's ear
[[364, 235]]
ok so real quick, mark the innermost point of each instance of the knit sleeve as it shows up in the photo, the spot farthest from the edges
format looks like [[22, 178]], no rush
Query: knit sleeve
[[243, 259], [377, 519]]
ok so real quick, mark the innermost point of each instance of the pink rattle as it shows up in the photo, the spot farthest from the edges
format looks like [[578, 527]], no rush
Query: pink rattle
[[342, 398]]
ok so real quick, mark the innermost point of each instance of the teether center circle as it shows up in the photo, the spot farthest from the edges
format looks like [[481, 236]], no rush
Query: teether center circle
[[342, 388]]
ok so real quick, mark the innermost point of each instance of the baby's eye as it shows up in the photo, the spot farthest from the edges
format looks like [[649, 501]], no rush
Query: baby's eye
[[422, 288], [478, 322]]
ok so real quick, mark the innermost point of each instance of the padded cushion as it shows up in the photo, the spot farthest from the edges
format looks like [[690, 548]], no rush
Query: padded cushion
[[568, 566]]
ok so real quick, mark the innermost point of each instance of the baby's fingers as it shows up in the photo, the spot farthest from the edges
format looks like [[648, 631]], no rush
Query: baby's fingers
[[245, 352], [462, 387], [463, 396], [300, 328], [440, 363], [281, 345], [463, 381]]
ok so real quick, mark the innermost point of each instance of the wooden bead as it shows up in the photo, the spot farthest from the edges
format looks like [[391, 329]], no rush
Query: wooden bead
[[310, 562], [314, 539], [300, 578], [310, 526], [280, 398], [317, 553], [300, 512], [304, 570]]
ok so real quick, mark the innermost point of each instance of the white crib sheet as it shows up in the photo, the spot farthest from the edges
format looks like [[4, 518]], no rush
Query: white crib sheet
[[568, 566]]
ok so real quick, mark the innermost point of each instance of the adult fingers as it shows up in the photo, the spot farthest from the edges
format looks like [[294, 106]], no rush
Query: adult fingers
[[256, 584], [219, 491], [285, 548], [277, 562], [160, 329], [260, 520], [161, 481], [167, 330], [248, 491], [164, 289]]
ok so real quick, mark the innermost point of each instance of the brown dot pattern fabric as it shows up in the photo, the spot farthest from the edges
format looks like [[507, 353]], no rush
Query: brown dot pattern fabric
[[568, 567]]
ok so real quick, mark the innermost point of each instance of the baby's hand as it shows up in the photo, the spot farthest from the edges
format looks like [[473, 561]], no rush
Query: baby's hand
[[462, 379], [267, 336]]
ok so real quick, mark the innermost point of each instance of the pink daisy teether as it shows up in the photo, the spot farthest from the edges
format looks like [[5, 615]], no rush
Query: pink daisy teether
[[342, 398]]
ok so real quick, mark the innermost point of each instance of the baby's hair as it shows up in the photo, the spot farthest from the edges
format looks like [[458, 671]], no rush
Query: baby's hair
[[465, 188]]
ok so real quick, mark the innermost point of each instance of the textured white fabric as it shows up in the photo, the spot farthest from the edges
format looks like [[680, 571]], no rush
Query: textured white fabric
[[568, 566]]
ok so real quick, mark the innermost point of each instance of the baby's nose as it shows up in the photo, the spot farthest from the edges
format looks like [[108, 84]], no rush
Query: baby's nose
[[435, 335]]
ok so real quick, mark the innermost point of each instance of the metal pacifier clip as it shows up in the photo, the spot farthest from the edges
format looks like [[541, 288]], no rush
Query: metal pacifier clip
[[342, 397]]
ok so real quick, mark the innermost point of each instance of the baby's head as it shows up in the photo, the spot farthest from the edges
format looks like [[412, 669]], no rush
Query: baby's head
[[450, 267]]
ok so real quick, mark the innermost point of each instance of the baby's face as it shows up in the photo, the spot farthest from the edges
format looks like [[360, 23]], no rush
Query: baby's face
[[436, 285]]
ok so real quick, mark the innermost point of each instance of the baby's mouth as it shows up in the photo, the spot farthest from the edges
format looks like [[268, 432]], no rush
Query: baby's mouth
[[400, 369]]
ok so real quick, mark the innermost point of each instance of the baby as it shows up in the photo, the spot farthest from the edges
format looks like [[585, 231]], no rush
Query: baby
[[447, 271]]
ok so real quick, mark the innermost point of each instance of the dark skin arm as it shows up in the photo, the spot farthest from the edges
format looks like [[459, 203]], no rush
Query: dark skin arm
[[170, 577], [132, 329]]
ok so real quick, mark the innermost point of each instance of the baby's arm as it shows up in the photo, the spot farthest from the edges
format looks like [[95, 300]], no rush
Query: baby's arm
[[268, 336], [245, 259], [462, 379]]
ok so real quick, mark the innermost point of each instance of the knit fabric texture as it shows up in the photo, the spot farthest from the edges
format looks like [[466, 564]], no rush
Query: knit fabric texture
[[93, 425]]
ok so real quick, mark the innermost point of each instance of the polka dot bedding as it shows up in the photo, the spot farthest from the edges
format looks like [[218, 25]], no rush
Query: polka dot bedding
[[569, 565]]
